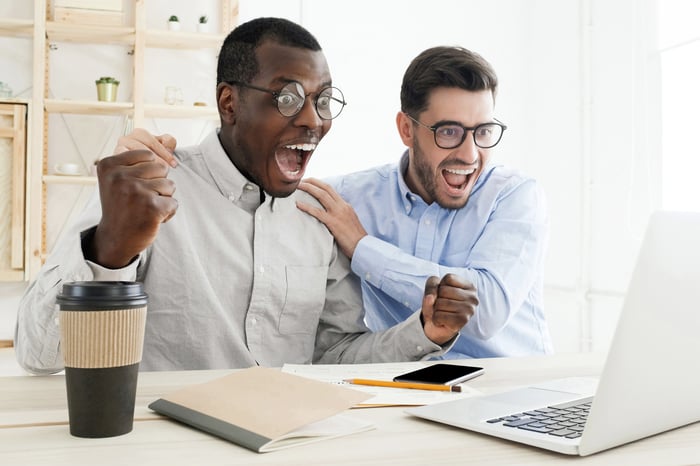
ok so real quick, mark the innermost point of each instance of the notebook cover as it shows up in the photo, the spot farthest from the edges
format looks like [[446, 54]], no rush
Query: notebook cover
[[253, 407]]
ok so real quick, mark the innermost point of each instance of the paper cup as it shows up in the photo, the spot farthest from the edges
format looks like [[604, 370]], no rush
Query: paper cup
[[102, 329]]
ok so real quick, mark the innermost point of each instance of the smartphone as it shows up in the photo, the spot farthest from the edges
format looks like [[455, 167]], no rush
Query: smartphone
[[442, 374]]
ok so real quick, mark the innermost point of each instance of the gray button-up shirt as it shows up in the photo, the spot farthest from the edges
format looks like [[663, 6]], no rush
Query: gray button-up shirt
[[232, 282]]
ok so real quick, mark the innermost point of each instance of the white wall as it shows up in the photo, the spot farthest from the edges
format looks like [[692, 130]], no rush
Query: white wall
[[573, 88]]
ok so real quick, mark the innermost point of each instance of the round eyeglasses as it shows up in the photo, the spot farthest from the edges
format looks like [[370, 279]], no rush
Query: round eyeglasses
[[450, 134], [290, 99]]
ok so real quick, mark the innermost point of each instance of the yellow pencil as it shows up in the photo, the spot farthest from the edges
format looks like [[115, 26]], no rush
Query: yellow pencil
[[418, 386]]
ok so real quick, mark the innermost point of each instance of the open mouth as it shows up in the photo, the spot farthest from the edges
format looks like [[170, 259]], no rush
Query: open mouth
[[457, 179], [292, 160]]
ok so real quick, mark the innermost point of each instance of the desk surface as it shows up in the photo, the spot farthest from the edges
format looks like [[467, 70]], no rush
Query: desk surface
[[34, 430]]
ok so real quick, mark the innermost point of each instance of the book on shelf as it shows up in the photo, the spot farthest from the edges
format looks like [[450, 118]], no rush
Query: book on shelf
[[264, 409]]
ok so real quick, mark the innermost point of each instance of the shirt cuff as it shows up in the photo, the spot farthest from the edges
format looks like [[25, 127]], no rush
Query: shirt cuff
[[423, 348], [103, 274]]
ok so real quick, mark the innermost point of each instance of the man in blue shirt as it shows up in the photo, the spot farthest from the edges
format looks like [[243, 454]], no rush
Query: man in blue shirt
[[446, 208]]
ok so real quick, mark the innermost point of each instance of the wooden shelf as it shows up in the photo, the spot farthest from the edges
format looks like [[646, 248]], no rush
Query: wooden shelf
[[88, 107], [183, 40], [69, 179], [131, 33], [180, 111], [16, 28], [66, 32]]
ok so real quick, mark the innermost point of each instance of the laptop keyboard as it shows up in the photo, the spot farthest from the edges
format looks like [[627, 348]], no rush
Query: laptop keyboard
[[562, 420]]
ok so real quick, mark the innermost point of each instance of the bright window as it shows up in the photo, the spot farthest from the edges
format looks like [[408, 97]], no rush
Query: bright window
[[679, 45]]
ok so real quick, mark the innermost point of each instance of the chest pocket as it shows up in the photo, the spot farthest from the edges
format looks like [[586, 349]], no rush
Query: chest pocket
[[304, 300]]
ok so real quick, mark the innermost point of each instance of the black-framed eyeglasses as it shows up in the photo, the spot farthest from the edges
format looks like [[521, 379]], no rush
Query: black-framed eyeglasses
[[329, 102], [450, 134]]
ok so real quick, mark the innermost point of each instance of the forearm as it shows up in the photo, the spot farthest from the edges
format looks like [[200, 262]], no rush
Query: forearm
[[503, 265], [403, 342], [37, 336], [343, 337]]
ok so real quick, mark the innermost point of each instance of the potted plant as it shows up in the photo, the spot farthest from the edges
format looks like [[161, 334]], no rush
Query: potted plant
[[174, 23], [202, 24], [107, 87]]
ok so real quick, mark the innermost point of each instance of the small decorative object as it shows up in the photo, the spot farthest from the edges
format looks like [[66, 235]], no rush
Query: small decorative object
[[67, 169], [107, 87], [5, 91], [173, 23], [173, 95], [203, 24], [199, 104]]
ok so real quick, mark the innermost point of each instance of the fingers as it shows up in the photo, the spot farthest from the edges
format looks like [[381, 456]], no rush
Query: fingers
[[323, 192], [143, 172], [140, 139], [455, 303], [448, 304], [136, 163]]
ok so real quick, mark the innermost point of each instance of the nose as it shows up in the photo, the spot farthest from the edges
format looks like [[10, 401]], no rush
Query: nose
[[469, 151], [308, 116]]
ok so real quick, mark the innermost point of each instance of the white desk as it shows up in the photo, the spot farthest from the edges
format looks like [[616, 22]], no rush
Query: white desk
[[39, 403]]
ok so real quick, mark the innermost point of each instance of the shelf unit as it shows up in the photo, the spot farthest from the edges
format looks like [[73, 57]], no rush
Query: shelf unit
[[43, 32]]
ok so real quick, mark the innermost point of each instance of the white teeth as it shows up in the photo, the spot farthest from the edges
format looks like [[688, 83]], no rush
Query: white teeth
[[460, 172], [305, 147]]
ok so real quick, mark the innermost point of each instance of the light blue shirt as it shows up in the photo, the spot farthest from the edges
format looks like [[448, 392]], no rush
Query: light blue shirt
[[497, 241]]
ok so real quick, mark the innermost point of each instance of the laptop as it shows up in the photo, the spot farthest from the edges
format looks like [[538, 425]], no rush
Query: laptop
[[649, 383]]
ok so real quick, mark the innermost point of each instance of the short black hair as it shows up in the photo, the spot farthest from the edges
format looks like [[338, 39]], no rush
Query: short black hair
[[237, 61], [444, 67]]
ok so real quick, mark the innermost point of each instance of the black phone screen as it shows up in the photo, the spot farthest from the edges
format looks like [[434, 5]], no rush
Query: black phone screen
[[443, 374]]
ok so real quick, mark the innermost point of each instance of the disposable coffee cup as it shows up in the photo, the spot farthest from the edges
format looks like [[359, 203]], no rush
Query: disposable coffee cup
[[102, 329]]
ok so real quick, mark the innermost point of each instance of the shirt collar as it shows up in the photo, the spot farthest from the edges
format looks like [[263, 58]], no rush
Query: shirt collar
[[230, 181], [407, 197]]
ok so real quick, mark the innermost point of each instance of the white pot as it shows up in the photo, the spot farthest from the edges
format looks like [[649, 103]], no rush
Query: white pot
[[202, 27], [174, 25]]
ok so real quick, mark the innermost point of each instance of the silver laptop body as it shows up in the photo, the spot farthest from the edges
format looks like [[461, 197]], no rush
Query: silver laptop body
[[649, 383]]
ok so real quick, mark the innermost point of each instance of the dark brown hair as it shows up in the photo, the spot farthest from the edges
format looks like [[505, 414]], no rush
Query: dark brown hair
[[444, 67]]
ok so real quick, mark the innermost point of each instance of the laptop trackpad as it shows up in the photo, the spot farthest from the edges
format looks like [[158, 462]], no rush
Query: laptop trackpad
[[537, 396], [481, 408]]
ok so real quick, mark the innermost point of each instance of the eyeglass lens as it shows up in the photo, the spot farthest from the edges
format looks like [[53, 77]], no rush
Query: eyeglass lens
[[329, 102], [449, 136]]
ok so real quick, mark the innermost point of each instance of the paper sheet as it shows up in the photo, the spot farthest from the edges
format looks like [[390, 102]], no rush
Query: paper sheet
[[382, 396]]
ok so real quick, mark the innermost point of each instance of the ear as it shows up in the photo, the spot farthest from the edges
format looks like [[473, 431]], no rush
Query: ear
[[405, 127], [227, 100]]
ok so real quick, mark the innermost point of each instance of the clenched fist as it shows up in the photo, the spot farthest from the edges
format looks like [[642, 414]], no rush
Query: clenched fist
[[448, 304]]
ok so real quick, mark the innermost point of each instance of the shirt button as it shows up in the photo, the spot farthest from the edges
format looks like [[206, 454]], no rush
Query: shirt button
[[367, 275], [419, 349], [405, 303], [427, 222], [262, 269], [231, 197], [248, 187], [253, 321]]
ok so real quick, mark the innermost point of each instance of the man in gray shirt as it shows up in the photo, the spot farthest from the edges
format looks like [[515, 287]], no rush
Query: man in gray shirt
[[236, 274]]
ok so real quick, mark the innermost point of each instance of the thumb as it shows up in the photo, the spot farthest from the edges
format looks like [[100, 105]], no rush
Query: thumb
[[429, 297]]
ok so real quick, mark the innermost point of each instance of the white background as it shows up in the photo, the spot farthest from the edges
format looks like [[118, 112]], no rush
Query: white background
[[579, 90]]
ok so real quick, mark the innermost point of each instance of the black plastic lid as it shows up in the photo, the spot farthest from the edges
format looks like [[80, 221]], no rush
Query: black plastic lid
[[101, 295]]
